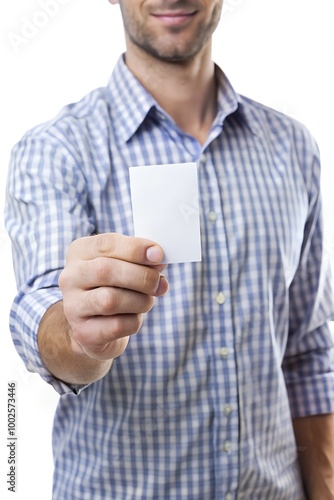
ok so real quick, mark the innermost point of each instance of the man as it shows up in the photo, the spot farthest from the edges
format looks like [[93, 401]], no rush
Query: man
[[202, 394]]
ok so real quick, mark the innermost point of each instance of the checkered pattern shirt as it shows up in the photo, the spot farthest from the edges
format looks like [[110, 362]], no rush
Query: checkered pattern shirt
[[200, 404]]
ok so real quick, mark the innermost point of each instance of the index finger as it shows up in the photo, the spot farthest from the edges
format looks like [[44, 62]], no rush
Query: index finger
[[117, 246]]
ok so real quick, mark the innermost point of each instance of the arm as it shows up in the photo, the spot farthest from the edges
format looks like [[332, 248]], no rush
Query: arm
[[70, 333], [308, 362], [315, 443], [107, 284]]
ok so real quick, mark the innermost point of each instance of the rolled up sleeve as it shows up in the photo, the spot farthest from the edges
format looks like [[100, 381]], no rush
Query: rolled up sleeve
[[46, 209], [309, 359]]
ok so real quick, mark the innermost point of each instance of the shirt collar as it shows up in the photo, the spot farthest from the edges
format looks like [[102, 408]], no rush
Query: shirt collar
[[230, 102], [228, 99], [132, 102]]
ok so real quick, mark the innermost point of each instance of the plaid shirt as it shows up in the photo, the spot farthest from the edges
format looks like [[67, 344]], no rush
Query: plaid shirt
[[199, 406]]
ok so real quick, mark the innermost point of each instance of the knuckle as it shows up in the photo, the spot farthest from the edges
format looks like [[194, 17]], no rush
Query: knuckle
[[100, 340], [90, 336], [138, 321], [132, 249], [150, 280], [149, 304], [106, 301], [124, 325], [117, 328], [105, 243], [102, 271]]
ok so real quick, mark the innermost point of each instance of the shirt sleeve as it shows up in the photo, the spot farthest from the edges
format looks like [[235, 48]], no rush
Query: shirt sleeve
[[46, 209], [309, 359]]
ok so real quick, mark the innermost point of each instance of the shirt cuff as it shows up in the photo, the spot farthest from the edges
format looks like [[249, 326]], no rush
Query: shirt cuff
[[310, 380], [26, 314]]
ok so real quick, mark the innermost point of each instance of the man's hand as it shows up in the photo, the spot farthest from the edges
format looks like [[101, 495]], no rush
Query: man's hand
[[108, 283]]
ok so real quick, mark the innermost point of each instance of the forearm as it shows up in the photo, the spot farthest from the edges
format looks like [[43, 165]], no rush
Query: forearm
[[65, 360], [315, 442]]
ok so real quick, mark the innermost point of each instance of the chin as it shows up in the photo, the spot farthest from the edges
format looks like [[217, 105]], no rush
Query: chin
[[172, 56]]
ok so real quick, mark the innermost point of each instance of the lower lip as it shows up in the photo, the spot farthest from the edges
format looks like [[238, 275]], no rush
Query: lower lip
[[174, 20]]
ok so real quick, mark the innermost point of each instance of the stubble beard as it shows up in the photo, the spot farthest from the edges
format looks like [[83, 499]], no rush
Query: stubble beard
[[168, 51]]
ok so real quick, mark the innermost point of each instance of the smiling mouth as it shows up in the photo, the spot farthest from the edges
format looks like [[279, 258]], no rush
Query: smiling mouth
[[174, 18]]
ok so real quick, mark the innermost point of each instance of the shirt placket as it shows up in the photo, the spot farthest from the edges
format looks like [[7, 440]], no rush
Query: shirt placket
[[223, 383]]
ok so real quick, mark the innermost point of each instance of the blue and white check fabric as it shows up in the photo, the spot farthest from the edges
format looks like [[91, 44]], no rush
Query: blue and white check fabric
[[200, 404]]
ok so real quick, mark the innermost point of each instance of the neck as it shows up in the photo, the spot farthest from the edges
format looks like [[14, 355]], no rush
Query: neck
[[185, 90]]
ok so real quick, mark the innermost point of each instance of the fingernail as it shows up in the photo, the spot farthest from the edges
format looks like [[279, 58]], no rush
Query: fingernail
[[154, 254], [163, 286]]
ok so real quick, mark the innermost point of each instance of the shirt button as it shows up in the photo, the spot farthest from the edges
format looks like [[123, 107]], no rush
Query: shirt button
[[212, 217], [220, 298], [227, 446], [228, 410], [228, 496], [224, 352], [203, 158]]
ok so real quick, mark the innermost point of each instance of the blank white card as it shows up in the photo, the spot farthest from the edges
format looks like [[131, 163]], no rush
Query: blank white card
[[166, 209]]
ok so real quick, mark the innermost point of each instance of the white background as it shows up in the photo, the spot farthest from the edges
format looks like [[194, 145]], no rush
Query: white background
[[279, 53]]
